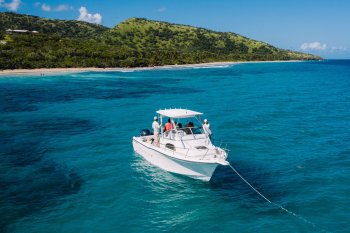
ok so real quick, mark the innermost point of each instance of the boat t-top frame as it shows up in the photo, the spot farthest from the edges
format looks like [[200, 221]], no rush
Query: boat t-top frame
[[178, 114]]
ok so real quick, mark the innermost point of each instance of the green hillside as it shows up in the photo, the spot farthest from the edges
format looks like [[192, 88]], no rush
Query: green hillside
[[163, 39], [65, 28], [134, 42], [142, 33]]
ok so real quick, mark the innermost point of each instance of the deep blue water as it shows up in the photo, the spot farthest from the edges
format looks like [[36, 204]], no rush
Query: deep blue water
[[67, 163]]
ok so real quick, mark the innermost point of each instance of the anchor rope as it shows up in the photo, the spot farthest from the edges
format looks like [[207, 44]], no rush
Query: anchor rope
[[275, 204]]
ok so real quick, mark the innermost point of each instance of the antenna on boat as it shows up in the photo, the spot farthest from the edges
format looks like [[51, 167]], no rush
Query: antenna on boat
[[275, 204], [227, 150]]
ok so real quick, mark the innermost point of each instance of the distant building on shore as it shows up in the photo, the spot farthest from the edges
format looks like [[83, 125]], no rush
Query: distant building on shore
[[9, 31]]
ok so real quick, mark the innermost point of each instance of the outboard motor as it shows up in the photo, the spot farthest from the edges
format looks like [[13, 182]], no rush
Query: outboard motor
[[145, 132]]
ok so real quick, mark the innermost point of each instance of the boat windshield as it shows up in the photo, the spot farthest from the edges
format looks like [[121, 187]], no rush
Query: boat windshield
[[189, 125], [191, 130]]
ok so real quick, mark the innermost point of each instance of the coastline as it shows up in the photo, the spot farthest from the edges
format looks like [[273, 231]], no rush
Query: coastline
[[48, 71]]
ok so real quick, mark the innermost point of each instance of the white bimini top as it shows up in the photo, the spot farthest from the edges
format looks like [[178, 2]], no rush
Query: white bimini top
[[178, 113]]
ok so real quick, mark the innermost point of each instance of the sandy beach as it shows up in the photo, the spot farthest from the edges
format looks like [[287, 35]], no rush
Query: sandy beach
[[48, 71]]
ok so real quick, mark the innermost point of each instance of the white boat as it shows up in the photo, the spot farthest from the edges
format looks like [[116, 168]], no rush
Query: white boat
[[184, 150]]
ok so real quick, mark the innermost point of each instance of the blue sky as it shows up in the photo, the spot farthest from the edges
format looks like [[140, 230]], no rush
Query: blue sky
[[319, 27]]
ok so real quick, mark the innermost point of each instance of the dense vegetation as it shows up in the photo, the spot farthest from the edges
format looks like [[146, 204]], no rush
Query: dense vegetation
[[64, 28], [134, 42]]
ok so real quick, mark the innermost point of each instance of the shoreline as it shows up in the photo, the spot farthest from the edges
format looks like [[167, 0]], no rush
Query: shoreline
[[48, 71]]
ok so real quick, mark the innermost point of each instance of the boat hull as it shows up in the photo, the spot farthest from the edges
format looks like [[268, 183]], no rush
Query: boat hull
[[157, 157]]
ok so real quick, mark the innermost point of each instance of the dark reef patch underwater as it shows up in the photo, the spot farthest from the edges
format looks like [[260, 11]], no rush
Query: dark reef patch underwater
[[67, 163]]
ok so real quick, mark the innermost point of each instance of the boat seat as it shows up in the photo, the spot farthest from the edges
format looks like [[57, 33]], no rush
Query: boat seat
[[187, 130]]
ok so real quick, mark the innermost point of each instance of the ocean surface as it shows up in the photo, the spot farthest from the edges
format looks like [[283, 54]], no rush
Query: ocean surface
[[67, 162]]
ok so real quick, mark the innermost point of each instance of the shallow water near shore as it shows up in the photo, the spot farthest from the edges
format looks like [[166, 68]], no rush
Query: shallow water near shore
[[67, 163]]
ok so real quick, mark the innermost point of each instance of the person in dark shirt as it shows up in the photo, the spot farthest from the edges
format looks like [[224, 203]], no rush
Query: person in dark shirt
[[188, 128]]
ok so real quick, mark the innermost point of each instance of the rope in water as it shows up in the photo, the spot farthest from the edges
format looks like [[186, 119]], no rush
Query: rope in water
[[279, 206]]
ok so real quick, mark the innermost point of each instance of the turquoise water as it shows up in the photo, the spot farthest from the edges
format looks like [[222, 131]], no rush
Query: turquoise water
[[67, 163]]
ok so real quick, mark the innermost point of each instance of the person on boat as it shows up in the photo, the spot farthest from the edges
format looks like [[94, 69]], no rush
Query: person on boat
[[189, 128], [168, 126], [206, 128], [156, 130], [179, 125]]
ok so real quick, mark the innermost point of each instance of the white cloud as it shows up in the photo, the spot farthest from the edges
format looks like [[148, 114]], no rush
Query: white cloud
[[45, 7], [59, 8], [313, 46], [87, 17], [338, 49], [63, 7], [11, 6], [162, 9]]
